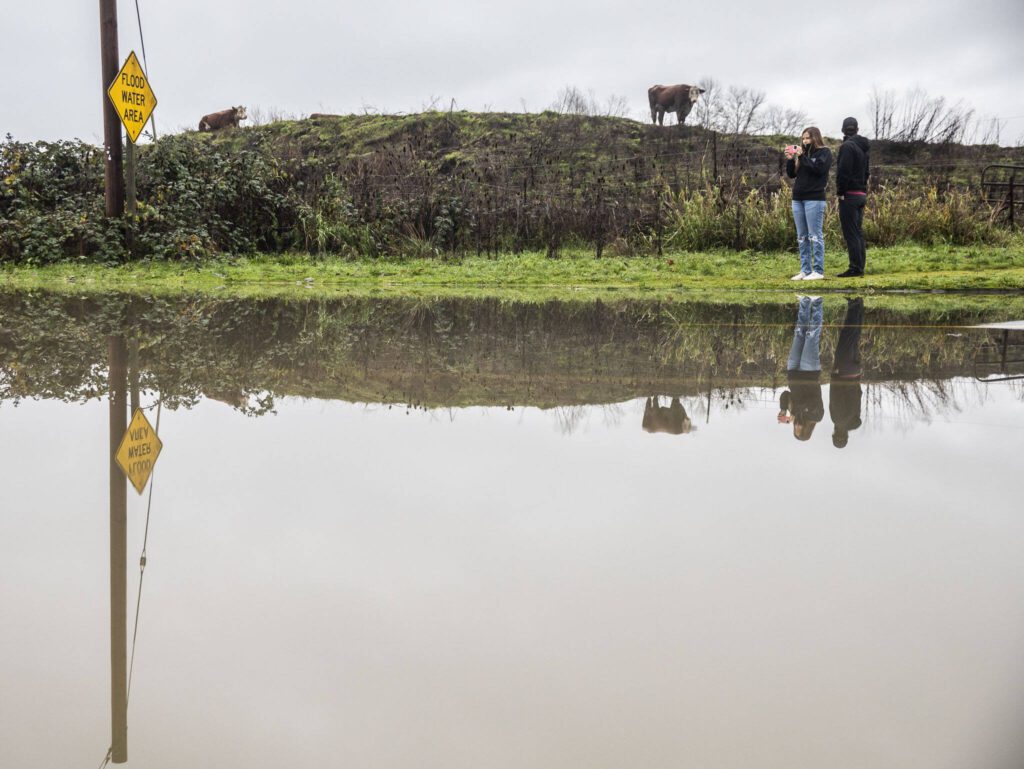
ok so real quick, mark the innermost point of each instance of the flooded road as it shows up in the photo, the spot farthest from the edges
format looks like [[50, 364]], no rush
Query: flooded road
[[390, 533]]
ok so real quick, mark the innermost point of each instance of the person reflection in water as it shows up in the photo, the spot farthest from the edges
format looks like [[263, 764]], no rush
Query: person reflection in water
[[844, 390], [671, 419], [801, 404]]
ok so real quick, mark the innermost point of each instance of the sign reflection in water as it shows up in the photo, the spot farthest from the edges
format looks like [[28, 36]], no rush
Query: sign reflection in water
[[466, 585], [139, 449]]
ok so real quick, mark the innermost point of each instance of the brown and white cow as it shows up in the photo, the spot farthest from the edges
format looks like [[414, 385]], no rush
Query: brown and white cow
[[226, 117], [672, 98]]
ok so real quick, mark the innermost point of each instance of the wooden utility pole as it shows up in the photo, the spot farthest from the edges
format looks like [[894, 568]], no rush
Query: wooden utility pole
[[109, 61], [131, 202], [118, 385]]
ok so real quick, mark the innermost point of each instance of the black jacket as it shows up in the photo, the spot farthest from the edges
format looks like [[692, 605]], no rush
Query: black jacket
[[812, 176], [844, 403], [853, 165], [805, 401]]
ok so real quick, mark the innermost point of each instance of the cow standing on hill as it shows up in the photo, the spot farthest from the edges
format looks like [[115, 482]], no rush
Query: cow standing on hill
[[218, 120], [672, 98]]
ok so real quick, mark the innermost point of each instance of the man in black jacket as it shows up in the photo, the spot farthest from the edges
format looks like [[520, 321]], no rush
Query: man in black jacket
[[852, 171]]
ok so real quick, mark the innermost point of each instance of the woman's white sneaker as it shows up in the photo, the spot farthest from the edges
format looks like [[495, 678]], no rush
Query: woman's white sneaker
[[815, 276], [800, 276]]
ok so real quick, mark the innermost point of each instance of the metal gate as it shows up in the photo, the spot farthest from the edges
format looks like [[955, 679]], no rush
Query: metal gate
[[1001, 187], [1001, 356]]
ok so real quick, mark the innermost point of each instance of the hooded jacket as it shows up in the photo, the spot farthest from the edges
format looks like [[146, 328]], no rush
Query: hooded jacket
[[853, 165]]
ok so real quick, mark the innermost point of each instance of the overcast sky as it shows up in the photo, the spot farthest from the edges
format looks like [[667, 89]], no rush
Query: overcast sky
[[308, 56]]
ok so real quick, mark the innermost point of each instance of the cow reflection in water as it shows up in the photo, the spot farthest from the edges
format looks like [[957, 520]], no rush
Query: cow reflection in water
[[671, 419], [801, 404]]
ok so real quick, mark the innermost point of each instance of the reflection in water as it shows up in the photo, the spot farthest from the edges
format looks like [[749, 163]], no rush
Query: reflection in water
[[844, 390], [801, 404], [671, 419], [356, 584], [456, 353]]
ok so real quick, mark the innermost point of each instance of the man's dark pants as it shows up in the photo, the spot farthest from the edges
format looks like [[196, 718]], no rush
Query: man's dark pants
[[851, 217]]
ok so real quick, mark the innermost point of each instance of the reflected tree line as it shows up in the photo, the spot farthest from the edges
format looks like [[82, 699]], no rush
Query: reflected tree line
[[682, 360]]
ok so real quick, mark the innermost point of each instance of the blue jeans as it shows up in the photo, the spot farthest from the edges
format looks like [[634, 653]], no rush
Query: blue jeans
[[809, 216], [805, 354]]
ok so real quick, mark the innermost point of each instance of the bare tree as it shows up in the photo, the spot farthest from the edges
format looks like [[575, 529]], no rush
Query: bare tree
[[262, 115], [707, 112], [784, 121], [882, 107], [988, 131], [929, 119], [616, 106], [571, 100], [740, 109], [918, 117]]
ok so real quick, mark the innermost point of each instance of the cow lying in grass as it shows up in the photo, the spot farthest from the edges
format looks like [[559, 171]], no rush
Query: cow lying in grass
[[215, 121]]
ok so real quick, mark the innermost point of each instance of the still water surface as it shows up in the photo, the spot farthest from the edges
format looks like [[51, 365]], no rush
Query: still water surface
[[454, 534]]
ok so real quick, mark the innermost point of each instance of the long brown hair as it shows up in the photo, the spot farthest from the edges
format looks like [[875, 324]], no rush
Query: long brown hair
[[802, 429], [816, 141]]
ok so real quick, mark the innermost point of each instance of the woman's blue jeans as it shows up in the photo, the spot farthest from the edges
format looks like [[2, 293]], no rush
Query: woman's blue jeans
[[805, 353], [809, 216]]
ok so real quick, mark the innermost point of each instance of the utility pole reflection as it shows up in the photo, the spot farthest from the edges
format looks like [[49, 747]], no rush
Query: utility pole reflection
[[118, 374]]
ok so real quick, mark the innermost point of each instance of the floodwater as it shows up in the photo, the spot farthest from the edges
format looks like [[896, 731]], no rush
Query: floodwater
[[412, 533]]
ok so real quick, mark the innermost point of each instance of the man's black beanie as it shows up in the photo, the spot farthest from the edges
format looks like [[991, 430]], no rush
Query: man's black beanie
[[850, 126]]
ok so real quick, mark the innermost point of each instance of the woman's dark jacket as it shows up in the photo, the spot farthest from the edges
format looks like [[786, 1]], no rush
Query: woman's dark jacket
[[812, 176]]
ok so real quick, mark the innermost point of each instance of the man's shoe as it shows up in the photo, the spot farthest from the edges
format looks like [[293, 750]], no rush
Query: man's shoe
[[851, 274], [800, 276], [815, 276]]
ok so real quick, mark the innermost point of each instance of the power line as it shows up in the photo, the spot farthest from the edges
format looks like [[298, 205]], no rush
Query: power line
[[145, 63], [142, 560]]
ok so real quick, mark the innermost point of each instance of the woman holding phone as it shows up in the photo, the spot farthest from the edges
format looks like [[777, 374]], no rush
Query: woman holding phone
[[809, 164]]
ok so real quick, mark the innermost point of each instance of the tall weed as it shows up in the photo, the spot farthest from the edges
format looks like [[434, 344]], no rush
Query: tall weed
[[712, 218]]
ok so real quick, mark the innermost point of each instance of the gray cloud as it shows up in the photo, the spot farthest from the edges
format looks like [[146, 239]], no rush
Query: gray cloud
[[315, 55]]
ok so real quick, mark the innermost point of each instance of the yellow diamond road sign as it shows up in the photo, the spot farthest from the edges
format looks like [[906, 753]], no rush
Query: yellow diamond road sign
[[138, 451], [132, 97]]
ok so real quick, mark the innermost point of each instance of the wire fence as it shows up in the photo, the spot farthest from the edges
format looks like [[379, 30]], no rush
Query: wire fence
[[509, 192]]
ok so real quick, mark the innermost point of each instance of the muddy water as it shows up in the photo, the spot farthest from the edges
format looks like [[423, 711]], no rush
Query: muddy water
[[453, 534]]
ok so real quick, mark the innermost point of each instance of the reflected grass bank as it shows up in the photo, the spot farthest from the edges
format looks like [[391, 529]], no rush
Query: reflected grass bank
[[443, 352]]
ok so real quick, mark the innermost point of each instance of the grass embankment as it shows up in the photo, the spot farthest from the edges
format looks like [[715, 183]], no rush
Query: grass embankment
[[534, 276], [436, 184]]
